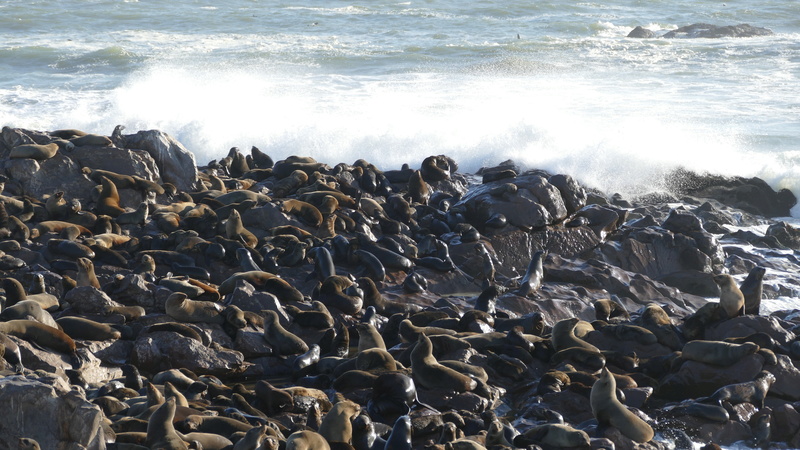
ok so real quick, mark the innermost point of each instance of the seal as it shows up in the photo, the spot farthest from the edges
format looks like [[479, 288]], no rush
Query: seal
[[86, 275], [34, 151], [39, 333], [339, 292], [752, 289], [563, 336], [754, 392], [533, 276], [731, 298], [337, 425], [553, 435], [108, 203], [306, 440], [181, 308], [160, 430], [418, 189], [28, 444], [236, 231], [307, 212], [282, 342], [263, 280], [428, 373], [608, 410], [138, 217], [82, 328], [400, 438], [716, 352], [368, 337], [610, 311]]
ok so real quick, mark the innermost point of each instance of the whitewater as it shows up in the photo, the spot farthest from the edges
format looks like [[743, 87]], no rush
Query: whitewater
[[552, 85]]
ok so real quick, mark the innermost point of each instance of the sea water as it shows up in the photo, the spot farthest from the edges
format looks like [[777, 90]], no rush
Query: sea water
[[554, 85]]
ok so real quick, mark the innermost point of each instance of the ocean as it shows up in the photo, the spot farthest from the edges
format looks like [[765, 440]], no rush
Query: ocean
[[554, 85]]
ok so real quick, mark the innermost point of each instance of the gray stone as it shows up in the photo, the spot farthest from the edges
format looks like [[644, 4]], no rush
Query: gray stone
[[40, 178], [47, 409], [175, 163], [89, 300], [157, 351]]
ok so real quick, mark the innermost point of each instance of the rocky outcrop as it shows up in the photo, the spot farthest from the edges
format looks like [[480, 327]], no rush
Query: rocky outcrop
[[176, 163], [48, 410], [705, 30]]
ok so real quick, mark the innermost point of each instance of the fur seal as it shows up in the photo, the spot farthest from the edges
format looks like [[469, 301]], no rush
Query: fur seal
[[86, 275], [716, 352], [283, 342], [265, 281], [94, 140], [610, 311], [181, 308], [418, 189], [306, 440], [339, 292], [754, 392], [731, 298], [400, 438], [82, 328], [41, 334], [608, 410], [34, 151], [553, 435], [368, 337], [236, 231], [108, 203], [533, 276], [752, 288], [337, 424], [563, 336], [138, 217], [428, 373]]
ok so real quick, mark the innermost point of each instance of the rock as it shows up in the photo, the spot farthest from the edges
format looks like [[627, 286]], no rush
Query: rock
[[641, 33], [786, 234], [514, 249], [49, 410], [247, 298], [163, 350], [573, 194], [36, 358], [118, 160], [785, 423], [696, 379], [705, 30], [175, 163], [251, 343], [89, 300], [40, 178], [746, 325], [787, 377], [133, 289], [752, 195]]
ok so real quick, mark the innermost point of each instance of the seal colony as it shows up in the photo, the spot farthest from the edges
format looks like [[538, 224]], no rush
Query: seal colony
[[256, 304]]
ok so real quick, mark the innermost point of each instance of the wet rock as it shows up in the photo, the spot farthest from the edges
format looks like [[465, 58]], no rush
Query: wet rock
[[696, 379], [746, 325], [47, 409], [40, 178], [705, 30], [641, 33], [752, 195], [515, 249], [787, 377], [247, 298]]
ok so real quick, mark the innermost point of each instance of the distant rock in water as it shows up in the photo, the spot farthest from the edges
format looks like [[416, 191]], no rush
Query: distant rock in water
[[641, 33], [704, 30]]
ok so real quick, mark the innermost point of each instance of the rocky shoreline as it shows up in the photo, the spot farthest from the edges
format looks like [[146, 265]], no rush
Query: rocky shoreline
[[289, 304]]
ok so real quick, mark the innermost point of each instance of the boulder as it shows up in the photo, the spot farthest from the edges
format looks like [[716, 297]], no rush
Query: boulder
[[705, 30], [641, 33], [47, 409], [163, 350], [175, 163], [89, 300], [695, 379], [40, 178]]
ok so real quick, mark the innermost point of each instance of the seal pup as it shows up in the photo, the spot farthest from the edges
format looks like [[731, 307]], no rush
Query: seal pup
[[337, 425], [608, 410], [731, 298]]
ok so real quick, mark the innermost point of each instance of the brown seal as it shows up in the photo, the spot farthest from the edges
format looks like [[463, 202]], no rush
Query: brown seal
[[716, 352], [86, 275], [563, 335], [282, 342], [731, 298], [94, 140], [35, 151], [754, 392], [337, 425], [752, 289], [82, 328], [138, 217], [108, 203], [41, 334], [306, 440], [160, 430], [307, 212], [181, 308], [234, 229], [428, 373], [263, 280], [608, 410]]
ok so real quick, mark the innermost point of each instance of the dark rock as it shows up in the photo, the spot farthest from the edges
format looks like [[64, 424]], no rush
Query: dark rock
[[641, 33], [695, 379], [163, 350], [705, 30], [175, 163], [752, 195]]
